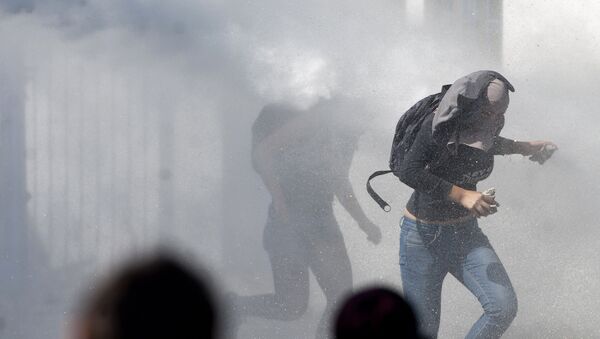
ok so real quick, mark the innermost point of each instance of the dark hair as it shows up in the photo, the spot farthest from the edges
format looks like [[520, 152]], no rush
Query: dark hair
[[375, 313], [156, 297]]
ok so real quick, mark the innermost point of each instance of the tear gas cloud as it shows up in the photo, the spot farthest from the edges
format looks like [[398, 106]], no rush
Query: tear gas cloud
[[137, 132]]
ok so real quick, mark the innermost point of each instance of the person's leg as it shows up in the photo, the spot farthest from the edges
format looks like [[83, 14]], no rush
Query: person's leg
[[286, 250], [330, 264], [422, 275], [482, 272], [290, 300]]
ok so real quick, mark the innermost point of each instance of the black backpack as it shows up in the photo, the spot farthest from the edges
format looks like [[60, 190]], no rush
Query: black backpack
[[406, 131]]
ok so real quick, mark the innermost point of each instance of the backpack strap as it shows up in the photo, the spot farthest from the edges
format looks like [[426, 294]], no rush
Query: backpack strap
[[379, 200], [382, 203]]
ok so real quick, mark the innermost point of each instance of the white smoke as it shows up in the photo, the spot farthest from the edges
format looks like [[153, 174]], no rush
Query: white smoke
[[214, 64]]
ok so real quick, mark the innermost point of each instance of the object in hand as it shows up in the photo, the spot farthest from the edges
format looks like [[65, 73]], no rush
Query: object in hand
[[543, 154], [491, 192]]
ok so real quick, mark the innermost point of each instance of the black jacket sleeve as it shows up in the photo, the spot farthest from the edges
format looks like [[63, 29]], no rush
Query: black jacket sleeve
[[503, 146], [413, 170]]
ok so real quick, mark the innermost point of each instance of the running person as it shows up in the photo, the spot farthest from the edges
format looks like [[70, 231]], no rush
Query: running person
[[452, 152], [303, 158]]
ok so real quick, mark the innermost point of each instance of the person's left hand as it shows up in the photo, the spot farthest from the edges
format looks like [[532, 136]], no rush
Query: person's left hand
[[373, 232], [532, 147], [539, 150]]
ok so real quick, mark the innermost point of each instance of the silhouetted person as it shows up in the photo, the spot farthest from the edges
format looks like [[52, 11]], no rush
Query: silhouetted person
[[152, 298], [375, 313], [303, 158]]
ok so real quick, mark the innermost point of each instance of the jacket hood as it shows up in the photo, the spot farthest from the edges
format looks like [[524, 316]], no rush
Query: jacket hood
[[462, 103]]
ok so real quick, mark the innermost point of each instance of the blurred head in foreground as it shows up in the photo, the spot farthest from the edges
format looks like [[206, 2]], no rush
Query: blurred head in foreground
[[153, 297], [375, 313]]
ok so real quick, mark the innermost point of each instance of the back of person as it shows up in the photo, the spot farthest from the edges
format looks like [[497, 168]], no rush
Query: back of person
[[298, 154], [375, 313], [311, 152], [152, 298]]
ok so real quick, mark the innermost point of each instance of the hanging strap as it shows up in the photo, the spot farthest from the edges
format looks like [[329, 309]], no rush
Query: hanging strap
[[382, 203]]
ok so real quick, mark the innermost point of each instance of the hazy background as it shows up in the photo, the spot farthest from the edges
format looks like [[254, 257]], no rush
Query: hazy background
[[125, 124]]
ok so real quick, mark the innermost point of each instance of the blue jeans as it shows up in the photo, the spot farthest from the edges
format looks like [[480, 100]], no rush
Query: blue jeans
[[426, 256]]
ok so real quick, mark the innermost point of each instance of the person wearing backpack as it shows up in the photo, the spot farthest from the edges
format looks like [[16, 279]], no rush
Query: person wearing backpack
[[443, 147]]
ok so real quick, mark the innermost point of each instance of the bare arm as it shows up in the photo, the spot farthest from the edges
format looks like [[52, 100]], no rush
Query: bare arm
[[346, 197], [479, 204]]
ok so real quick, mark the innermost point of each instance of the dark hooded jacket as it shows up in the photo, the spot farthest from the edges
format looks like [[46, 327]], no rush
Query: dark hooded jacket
[[463, 166], [462, 103]]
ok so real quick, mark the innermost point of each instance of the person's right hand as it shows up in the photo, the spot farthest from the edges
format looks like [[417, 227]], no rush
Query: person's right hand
[[372, 231], [479, 204]]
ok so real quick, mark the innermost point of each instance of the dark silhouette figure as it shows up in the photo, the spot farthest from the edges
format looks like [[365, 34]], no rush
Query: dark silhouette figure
[[375, 313], [303, 158], [152, 298]]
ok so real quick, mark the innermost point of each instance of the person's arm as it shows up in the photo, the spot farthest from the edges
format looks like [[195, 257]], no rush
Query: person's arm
[[413, 169], [505, 146], [479, 204], [414, 173], [345, 195], [343, 147]]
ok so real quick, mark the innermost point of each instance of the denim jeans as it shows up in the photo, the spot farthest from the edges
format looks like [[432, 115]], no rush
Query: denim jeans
[[429, 253]]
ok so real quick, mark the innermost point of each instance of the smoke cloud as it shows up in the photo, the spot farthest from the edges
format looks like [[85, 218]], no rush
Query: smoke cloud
[[138, 119]]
